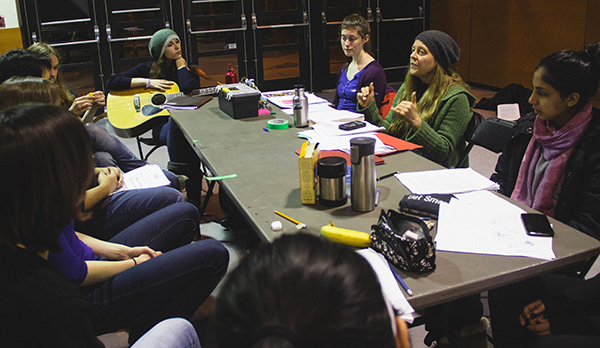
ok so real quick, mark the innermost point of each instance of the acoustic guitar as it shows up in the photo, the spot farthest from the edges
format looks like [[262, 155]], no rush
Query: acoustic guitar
[[135, 111]]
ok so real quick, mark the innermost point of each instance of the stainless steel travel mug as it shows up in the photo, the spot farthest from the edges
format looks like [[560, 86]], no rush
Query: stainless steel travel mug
[[362, 177]]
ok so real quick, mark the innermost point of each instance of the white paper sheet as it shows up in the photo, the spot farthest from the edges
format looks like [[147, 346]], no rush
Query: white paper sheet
[[283, 99], [329, 129], [483, 223], [324, 113], [390, 287], [144, 177], [509, 112], [445, 181], [342, 143]]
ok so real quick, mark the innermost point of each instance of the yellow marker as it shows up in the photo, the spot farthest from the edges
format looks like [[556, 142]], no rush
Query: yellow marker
[[299, 225]]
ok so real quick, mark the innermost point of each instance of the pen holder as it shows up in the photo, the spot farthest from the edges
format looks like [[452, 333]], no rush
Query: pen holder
[[404, 241]]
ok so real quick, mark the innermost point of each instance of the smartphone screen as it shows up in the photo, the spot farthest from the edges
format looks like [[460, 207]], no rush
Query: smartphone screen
[[537, 225]]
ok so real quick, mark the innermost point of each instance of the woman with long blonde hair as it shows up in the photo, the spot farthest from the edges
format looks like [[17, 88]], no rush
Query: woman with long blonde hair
[[433, 105], [69, 99]]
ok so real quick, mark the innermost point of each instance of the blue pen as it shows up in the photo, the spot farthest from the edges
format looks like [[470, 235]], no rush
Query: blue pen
[[399, 279], [266, 130]]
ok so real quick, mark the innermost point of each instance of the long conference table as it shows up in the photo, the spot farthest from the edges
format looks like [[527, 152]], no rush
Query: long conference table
[[267, 180]]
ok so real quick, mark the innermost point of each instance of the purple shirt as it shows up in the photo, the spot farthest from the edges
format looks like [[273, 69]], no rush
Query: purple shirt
[[347, 90], [70, 262], [373, 72]]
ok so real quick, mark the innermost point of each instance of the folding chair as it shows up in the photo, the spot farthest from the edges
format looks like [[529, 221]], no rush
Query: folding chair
[[492, 134]]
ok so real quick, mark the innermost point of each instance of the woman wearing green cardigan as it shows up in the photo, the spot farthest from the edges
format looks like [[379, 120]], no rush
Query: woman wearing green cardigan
[[433, 105]]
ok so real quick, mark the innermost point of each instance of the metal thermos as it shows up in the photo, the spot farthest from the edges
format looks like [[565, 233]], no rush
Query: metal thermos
[[362, 177], [332, 181], [300, 107]]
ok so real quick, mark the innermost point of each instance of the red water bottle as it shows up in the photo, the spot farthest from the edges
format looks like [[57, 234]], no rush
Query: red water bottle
[[230, 77]]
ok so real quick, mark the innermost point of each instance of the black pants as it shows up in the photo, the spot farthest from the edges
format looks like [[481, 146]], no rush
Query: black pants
[[571, 323]]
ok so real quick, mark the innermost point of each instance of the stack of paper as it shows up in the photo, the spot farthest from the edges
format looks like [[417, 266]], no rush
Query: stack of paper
[[476, 220], [284, 99], [483, 223], [389, 286], [446, 181]]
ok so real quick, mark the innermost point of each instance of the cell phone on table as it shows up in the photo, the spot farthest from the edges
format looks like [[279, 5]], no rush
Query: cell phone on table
[[537, 225], [352, 125]]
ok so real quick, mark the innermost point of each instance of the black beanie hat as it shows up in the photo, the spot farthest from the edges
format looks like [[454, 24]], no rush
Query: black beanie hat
[[443, 48]]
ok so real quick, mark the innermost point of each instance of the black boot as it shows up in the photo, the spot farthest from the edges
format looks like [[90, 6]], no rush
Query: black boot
[[193, 184]]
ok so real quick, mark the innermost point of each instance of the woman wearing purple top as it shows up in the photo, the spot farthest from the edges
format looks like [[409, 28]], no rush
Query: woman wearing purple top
[[127, 281], [362, 69], [43, 182]]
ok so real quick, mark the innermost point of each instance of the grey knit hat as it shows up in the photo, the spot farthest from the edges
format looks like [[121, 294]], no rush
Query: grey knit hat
[[443, 48], [159, 42]]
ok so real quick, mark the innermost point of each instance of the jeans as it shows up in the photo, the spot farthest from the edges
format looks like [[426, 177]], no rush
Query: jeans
[[111, 152], [173, 284], [164, 230], [170, 333], [179, 148], [119, 211]]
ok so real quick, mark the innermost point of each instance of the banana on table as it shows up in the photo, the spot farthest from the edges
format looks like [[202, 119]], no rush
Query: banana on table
[[345, 236]]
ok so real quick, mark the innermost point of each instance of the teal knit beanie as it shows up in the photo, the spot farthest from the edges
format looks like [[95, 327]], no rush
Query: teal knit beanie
[[159, 42]]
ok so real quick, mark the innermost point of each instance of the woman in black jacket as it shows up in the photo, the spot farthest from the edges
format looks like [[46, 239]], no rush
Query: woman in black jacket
[[552, 164], [558, 172]]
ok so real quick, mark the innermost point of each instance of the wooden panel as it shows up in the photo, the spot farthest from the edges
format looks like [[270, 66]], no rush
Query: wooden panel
[[10, 38], [592, 29], [509, 37], [454, 18]]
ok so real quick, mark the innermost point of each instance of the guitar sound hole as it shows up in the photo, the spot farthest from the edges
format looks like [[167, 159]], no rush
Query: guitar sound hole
[[159, 99]]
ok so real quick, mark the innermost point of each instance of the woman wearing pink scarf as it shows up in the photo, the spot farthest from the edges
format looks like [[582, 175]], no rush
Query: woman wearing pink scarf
[[552, 164], [558, 171]]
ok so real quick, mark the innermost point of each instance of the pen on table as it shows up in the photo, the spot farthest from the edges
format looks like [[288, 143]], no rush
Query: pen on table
[[266, 130], [387, 176], [399, 279], [299, 225], [376, 197]]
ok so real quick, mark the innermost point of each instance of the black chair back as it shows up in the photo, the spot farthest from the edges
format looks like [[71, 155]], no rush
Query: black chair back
[[476, 120], [493, 134]]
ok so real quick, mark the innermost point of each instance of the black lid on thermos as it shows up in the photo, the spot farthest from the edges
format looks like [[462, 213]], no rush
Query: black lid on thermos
[[361, 147]]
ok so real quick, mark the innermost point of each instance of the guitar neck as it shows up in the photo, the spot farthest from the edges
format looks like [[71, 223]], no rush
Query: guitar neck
[[172, 96]]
